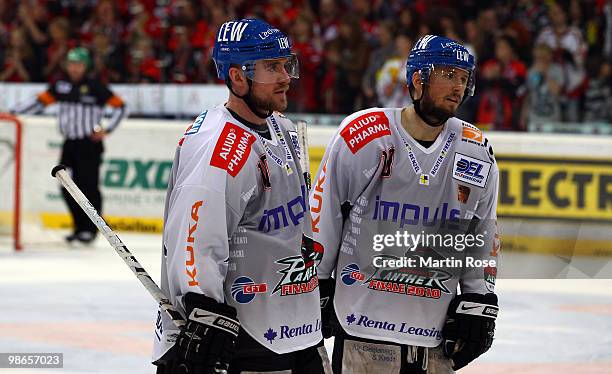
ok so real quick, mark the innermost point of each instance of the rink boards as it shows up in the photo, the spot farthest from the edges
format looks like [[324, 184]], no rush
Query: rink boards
[[555, 190]]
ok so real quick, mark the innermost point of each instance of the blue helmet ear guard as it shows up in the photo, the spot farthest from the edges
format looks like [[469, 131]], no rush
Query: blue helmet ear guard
[[244, 41], [433, 50]]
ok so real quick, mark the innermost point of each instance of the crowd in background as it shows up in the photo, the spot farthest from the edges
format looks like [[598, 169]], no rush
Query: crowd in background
[[536, 60]]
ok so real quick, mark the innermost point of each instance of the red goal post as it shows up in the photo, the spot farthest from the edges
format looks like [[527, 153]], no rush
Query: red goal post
[[15, 223]]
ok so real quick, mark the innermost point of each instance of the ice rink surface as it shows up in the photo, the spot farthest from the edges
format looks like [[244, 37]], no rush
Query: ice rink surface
[[85, 303]]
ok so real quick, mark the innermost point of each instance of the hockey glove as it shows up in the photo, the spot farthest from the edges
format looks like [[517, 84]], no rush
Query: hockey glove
[[328, 316], [206, 343], [469, 328]]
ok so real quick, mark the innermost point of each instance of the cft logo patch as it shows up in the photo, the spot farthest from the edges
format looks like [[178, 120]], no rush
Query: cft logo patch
[[232, 149], [471, 170], [351, 274], [244, 289]]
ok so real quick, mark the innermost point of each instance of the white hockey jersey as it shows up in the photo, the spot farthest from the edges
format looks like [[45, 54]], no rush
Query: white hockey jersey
[[236, 212], [391, 184]]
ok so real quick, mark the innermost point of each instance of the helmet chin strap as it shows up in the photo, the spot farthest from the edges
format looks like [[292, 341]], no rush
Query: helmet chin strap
[[248, 99], [430, 118]]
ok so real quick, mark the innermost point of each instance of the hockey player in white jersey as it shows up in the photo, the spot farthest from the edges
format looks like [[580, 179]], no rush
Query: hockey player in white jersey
[[238, 258], [393, 172]]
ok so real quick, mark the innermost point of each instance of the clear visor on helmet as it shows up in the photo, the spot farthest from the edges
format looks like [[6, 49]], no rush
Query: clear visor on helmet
[[272, 70], [450, 76]]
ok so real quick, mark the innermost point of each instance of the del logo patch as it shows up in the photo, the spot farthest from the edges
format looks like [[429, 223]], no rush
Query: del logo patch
[[232, 149], [364, 129], [471, 170]]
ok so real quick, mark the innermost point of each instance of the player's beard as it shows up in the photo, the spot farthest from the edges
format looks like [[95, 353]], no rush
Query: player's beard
[[434, 114], [271, 103]]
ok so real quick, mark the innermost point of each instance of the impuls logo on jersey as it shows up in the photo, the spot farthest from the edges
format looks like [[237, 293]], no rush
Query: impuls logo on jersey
[[276, 218], [412, 214], [244, 289]]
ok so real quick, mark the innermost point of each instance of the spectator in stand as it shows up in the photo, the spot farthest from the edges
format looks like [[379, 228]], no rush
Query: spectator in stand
[[328, 90], [598, 96], [472, 38], [607, 30], [569, 51], [502, 88], [170, 41], [183, 66], [545, 81], [532, 14], [280, 13], [143, 24], [7, 17], [576, 13], [108, 63], [143, 66], [488, 29], [467, 111], [407, 20], [304, 95], [60, 43], [353, 58], [206, 71], [104, 20], [19, 64], [391, 86], [363, 10], [78, 12], [34, 17], [384, 51], [449, 25], [329, 19]]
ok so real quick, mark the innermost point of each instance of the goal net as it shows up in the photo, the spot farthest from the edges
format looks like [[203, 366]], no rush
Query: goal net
[[22, 222]]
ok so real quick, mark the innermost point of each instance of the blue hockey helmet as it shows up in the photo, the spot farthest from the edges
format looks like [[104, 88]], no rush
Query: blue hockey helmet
[[245, 42], [432, 50]]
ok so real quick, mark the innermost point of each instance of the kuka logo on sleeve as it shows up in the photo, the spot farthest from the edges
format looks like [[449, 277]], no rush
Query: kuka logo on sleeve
[[317, 200], [364, 129], [190, 263], [232, 149]]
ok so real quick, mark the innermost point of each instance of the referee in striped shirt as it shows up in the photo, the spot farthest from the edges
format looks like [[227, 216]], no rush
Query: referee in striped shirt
[[81, 107]]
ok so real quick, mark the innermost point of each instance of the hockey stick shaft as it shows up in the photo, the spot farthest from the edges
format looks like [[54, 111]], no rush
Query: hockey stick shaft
[[59, 172], [304, 156]]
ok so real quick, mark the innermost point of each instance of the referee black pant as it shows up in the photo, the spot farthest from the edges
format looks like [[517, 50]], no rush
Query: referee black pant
[[83, 157]]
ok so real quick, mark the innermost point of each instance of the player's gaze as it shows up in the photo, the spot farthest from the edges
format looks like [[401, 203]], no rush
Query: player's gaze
[[450, 76], [272, 70]]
